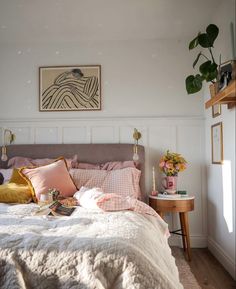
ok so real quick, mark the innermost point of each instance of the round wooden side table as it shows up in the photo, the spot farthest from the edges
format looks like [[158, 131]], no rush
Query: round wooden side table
[[181, 205]]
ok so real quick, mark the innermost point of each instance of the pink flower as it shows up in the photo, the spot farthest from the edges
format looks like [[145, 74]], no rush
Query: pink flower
[[162, 164], [169, 165]]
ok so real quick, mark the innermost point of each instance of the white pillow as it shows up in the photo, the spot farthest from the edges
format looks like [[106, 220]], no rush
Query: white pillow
[[87, 198], [6, 174]]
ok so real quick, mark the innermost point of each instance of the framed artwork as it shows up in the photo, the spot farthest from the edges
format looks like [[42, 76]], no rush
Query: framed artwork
[[226, 73], [216, 110], [70, 88], [217, 143]]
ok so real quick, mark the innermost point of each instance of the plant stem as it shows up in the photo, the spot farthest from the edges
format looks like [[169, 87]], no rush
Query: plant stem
[[205, 56], [213, 60]]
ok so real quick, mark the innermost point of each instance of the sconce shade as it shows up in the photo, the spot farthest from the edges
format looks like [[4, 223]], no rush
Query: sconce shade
[[4, 157], [9, 137], [136, 136]]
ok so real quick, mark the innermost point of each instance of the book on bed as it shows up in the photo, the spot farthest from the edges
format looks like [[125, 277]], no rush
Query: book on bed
[[57, 209], [54, 209]]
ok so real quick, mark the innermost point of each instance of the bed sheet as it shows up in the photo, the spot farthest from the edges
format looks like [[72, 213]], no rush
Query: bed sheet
[[90, 249]]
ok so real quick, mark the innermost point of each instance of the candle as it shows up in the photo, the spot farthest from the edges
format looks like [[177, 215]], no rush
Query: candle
[[153, 180]]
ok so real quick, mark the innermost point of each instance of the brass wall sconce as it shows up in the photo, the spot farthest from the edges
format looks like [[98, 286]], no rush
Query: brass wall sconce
[[136, 136], [8, 138]]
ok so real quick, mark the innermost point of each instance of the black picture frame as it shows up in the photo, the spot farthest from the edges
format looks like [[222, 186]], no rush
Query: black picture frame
[[70, 88], [226, 73]]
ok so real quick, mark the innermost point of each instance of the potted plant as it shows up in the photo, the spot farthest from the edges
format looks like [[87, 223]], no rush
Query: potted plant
[[208, 70]]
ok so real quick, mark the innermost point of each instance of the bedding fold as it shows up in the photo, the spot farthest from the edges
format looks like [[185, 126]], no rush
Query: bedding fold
[[90, 249]]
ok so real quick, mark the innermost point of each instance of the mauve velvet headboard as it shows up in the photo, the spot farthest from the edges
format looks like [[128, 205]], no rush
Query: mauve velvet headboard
[[91, 153]]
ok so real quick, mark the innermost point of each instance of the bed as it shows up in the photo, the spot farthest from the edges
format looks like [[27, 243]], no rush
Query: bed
[[89, 249]]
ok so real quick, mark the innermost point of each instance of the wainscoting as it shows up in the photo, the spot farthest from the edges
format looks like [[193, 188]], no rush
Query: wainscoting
[[182, 134]]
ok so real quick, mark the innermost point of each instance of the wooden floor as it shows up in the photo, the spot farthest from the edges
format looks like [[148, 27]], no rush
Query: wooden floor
[[209, 273]]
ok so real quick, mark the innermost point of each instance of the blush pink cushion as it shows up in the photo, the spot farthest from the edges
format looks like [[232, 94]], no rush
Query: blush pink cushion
[[123, 182], [109, 166], [18, 162], [54, 175], [86, 166]]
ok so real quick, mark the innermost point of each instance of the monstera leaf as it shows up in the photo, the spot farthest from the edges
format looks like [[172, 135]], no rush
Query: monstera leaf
[[204, 40], [193, 43], [207, 39], [193, 83], [208, 69], [212, 33]]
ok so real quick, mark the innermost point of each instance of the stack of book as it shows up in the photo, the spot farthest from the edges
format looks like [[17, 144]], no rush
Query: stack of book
[[172, 196]]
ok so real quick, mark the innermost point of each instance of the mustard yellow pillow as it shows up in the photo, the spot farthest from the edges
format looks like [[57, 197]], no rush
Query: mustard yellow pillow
[[15, 193], [17, 178]]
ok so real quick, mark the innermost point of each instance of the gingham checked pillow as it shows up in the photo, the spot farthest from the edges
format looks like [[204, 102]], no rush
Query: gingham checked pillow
[[123, 182]]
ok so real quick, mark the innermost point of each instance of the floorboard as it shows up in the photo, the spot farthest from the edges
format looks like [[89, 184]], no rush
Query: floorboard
[[209, 273]]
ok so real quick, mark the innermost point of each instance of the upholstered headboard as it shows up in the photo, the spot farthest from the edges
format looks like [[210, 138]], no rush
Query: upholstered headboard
[[91, 153]]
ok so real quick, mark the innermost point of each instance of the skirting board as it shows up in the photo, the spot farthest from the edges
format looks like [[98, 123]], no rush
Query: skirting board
[[222, 257], [196, 241]]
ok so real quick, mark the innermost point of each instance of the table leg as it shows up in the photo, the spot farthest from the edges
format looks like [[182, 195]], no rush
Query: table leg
[[186, 228], [181, 218]]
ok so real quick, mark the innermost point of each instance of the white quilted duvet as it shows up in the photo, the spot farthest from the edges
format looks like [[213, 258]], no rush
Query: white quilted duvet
[[88, 250]]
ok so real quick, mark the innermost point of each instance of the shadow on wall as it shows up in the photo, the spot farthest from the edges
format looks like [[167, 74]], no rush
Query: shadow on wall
[[227, 194], [212, 215]]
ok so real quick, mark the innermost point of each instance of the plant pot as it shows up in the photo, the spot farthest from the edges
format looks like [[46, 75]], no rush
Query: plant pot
[[170, 184], [213, 89]]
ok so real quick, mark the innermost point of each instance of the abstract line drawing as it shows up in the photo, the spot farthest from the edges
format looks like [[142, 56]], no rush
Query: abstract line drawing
[[68, 88]]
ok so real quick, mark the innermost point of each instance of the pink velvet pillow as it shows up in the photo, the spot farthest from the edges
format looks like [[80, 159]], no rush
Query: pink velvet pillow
[[123, 182], [108, 166], [54, 175], [18, 162]]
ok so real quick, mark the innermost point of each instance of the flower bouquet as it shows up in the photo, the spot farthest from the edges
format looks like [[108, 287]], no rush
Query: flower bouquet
[[171, 164]]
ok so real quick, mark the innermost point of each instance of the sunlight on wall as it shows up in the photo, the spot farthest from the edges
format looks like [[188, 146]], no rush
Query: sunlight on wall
[[227, 194]]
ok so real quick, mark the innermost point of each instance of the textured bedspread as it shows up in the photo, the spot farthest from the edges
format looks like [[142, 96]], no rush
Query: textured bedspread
[[87, 250]]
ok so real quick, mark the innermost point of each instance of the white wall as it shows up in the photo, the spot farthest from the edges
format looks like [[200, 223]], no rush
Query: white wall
[[142, 86], [139, 77], [221, 199]]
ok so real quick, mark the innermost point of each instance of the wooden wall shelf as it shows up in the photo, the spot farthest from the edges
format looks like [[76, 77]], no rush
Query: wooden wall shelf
[[226, 96]]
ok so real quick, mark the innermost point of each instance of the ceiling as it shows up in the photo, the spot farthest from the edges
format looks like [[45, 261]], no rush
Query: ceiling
[[77, 20]]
